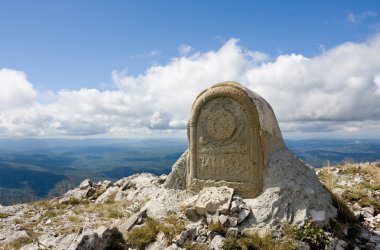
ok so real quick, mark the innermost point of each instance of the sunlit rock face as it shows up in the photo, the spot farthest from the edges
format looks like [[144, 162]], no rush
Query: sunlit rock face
[[232, 134]]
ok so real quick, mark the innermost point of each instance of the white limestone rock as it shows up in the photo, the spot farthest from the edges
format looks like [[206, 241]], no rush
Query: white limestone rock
[[217, 243], [291, 190], [243, 214], [108, 195], [317, 216], [177, 177], [214, 199], [166, 201]]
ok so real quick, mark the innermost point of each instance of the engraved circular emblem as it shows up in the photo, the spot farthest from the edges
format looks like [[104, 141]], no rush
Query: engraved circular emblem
[[221, 125]]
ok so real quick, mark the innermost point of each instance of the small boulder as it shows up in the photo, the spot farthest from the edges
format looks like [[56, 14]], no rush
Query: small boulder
[[214, 199], [368, 212], [243, 214], [223, 219], [217, 243], [132, 220], [234, 207], [108, 195], [87, 183], [233, 221], [110, 239], [185, 235]]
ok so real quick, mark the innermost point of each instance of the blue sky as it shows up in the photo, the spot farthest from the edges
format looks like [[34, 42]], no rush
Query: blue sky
[[73, 44], [57, 51]]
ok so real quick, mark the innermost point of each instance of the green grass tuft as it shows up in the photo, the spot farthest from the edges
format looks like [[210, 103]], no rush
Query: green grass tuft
[[139, 237]]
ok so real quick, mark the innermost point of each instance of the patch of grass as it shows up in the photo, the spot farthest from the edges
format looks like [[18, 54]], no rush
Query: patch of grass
[[358, 191], [18, 221], [112, 210], [171, 227], [17, 244], [232, 243], [370, 202], [75, 201], [110, 200], [345, 215], [4, 215], [74, 219], [289, 231], [139, 237], [44, 204], [255, 241], [115, 213], [189, 245], [52, 213], [329, 179], [217, 228], [266, 242]]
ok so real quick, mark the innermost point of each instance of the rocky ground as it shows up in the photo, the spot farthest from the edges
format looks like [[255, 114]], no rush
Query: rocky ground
[[137, 212]]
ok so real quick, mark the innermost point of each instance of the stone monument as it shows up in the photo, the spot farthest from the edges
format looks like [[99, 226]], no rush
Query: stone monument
[[230, 130], [235, 143]]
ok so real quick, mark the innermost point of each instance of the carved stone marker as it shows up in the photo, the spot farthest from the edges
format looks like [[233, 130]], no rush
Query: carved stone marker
[[228, 139], [235, 141]]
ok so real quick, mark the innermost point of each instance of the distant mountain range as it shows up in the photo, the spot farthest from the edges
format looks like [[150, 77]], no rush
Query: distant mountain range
[[35, 168]]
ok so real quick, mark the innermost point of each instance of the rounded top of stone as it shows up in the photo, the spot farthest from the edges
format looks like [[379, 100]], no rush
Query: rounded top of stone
[[267, 118]]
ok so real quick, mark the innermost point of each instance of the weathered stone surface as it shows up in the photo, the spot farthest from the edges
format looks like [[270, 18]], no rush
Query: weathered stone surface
[[243, 214], [177, 177], [108, 195], [188, 234], [232, 132], [131, 221], [87, 183], [291, 190], [110, 239], [223, 219], [217, 243], [213, 199], [368, 212], [167, 201], [15, 235], [317, 215], [233, 221]]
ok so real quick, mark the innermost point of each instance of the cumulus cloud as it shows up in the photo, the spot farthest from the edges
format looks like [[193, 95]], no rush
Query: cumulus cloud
[[337, 91], [15, 89]]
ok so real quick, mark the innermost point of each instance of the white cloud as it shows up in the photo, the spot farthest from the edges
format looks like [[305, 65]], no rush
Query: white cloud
[[15, 89], [337, 92], [356, 18], [184, 49]]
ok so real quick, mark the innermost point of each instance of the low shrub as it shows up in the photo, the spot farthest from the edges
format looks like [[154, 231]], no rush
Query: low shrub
[[313, 235]]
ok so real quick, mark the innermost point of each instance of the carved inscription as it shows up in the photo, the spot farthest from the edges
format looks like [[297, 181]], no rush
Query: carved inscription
[[223, 152], [225, 142]]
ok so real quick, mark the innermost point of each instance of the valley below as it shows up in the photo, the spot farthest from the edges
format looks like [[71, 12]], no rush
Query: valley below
[[33, 169]]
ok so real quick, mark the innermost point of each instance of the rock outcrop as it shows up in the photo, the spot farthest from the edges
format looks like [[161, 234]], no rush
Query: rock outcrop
[[84, 223]]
